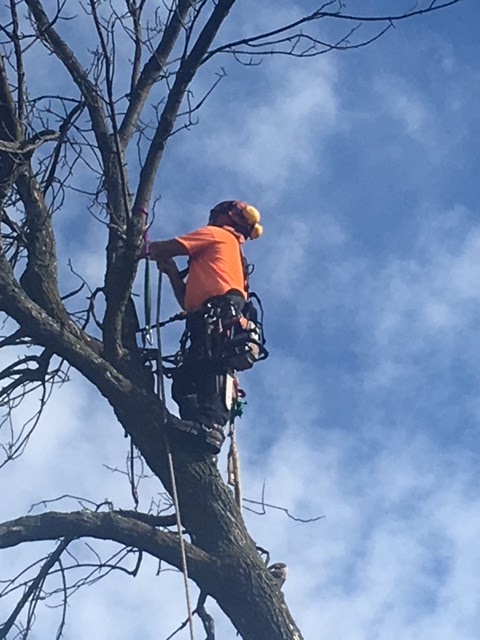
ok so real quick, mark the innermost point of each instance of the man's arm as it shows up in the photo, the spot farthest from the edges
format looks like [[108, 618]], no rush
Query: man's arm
[[164, 249], [178, 285]]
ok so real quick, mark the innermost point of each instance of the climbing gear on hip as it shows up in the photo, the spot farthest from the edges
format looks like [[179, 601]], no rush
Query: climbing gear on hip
[[225, 334]]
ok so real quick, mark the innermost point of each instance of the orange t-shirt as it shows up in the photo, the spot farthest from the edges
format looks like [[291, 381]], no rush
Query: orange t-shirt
[[215, 264]]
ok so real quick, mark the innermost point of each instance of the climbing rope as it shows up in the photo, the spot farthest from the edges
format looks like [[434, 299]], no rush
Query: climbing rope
[[146, 336], [147, 302], [233, 466], [161, 395]]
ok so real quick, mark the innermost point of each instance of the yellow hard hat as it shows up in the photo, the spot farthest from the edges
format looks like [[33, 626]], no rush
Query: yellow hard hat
[[243, 214]]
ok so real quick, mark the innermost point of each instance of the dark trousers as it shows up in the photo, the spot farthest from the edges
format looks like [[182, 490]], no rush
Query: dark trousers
[[200, 393], [199, 383]]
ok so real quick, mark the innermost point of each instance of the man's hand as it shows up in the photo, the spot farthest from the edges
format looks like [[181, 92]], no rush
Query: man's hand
[[167, 266], [163, 252]]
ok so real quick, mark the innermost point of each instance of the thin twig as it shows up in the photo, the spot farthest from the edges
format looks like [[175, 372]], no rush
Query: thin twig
[[34, 586]]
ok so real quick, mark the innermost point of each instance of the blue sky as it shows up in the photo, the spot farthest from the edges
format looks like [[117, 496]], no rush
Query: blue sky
[[364, 166]]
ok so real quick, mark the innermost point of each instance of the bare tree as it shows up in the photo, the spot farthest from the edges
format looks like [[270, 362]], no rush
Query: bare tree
[[113, 127]]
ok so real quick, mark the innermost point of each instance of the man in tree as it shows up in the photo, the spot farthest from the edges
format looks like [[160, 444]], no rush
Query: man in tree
[[215, 293]]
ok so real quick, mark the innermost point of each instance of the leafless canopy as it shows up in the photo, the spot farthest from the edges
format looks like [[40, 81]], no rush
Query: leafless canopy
[[94, 132]]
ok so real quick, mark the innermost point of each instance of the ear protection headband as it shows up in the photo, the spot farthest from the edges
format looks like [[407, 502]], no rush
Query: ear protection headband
[[244, 215]]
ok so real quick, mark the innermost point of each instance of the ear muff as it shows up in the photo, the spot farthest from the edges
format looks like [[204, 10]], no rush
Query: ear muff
[[256, 232], [250, 214], [247, 216], [252, 217]]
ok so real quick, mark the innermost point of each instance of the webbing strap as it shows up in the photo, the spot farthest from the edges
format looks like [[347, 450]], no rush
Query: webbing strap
[[233, 466], [147, 295], [147, 304]]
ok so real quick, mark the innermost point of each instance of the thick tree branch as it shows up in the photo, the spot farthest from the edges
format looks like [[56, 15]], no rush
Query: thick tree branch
[[149, 518], [10, 134], [136, 15], [10, 129], [67, 341], [152, 71], [16, 41], [183, 78], [40, 279], [103, 526]]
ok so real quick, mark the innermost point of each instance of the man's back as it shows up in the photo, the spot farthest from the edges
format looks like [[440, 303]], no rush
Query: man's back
[[215, 266]]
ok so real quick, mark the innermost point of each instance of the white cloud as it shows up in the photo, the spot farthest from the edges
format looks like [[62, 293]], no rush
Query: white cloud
[[275, 132], [408, 106], [384, 552], [431, 294]]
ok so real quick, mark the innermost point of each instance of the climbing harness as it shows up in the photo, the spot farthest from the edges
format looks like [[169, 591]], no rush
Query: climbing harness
[[232, 339]]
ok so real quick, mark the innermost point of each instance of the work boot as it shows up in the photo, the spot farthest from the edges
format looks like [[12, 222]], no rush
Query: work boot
[[214, 438], [208, 437]]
